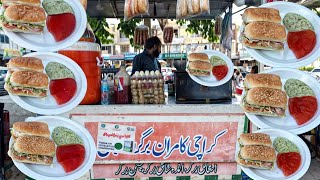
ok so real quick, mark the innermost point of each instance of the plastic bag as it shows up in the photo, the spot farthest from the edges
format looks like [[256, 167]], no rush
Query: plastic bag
[[141, 34], [191, 8], [218, 25], [182, 9], [205, 6], [194, 7], [88, 35], [226, 35], [134, 8]]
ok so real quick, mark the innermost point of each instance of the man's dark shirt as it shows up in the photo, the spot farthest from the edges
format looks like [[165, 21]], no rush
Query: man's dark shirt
[[144, 62]]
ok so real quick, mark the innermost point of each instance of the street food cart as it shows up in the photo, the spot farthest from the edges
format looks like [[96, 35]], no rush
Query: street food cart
[[193, 135]]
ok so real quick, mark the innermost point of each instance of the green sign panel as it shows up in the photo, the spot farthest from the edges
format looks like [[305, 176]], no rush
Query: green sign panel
[[174, 56]]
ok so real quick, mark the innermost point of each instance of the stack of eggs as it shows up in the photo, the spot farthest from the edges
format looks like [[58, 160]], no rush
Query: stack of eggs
[[147, 88]]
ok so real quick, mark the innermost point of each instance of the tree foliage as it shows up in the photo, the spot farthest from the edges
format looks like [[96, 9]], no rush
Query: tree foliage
[[306, 68], [127, 28], [99, 27], [318, 12], [203, 27]]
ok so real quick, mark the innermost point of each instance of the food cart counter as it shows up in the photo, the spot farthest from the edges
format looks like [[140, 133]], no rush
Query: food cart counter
[[19, 114], [213, 127]]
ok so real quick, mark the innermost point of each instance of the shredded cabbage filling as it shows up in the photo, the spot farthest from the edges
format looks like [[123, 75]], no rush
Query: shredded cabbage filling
[[26, 89], [256, 163], [31, 157], [263, 109]]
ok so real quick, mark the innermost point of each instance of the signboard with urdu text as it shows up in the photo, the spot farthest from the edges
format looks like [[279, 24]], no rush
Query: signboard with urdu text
[[160, 145]]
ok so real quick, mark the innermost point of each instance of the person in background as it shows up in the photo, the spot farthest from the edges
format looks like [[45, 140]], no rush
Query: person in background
[[147, 59], [254, 70], [117, 64], [237, 76], [234, 83], [107, 64]]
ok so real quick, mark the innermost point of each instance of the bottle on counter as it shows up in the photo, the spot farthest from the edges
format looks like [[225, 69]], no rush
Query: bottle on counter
[[104, 91], [122, 91], [111, 89]]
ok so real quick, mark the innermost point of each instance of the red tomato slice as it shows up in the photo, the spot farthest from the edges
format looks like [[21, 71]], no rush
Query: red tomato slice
[[63, 90], [303, 108], [61, 26], [301, 42], [220, 71], [70, 151], [289, 162], [71, 164], [70, 156], [9, 26]]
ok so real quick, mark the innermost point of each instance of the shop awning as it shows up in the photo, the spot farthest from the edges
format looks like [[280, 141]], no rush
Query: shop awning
[[120, 57], [160, 9]]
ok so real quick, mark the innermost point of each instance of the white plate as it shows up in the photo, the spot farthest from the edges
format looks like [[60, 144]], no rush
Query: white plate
[[286, 58], [56, 170], [211, 81], [276, 173], [48, 105], [45, 41], [288, 123]]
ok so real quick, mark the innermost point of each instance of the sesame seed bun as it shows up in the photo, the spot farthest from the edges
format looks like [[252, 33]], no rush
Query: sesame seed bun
[[262, 80], [267, 97], [258, 153], [261, 14], [29, 79], [25, 14], [199, 68], [30, 128], [198, 57], [200, 65], [34, 145], [255, 139], [25, 63], [24, 2], [266, 31]]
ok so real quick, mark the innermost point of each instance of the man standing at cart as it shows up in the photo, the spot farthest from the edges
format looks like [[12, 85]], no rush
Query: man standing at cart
[[147, 59]]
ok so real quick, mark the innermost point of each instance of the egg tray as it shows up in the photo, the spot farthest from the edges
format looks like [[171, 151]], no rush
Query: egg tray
[[147, 91]]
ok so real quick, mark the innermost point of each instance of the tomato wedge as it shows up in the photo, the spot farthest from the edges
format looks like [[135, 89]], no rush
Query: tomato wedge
[[9, 26], [303, 108], [289, 162], [71, 164], [220, 71], [63, 90], [61, 26], [301, 42], [70, 156]]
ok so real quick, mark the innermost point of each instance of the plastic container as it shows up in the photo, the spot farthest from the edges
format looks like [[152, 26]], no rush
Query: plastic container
[[88, 56], [122, 92], [105, 91], [110, 78]]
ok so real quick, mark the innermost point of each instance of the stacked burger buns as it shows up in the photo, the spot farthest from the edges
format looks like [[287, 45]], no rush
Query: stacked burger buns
[[26, 77], [263, 29], [199, 64], [264, 95], [256, 151], [23, 16], [32, 143]]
